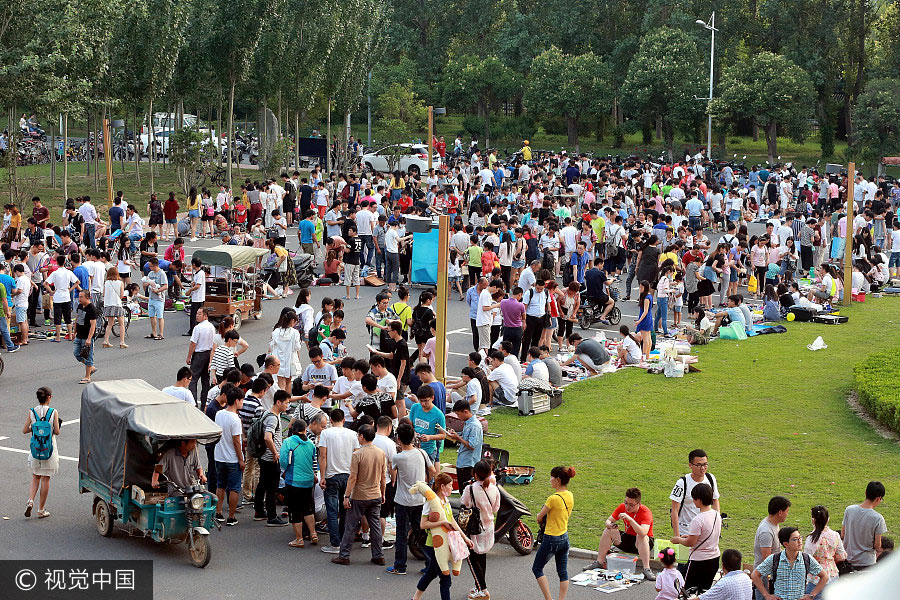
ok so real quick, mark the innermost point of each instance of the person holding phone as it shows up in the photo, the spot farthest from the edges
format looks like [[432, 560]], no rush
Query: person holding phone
[[470, 442]]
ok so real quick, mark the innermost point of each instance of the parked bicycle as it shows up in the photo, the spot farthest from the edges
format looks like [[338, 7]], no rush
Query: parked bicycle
[[103, 323]]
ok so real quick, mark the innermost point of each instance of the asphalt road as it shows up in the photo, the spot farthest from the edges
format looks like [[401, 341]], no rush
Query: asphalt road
[[246, 558]]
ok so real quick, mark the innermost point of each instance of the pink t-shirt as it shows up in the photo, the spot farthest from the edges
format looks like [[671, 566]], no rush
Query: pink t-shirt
[[707, 526], [665, 583]]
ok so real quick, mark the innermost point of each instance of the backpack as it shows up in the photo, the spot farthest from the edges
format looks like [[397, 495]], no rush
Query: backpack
[[712, 484], [256, 436], [312, 336], [42, 436], [612, 244], [776, 558]]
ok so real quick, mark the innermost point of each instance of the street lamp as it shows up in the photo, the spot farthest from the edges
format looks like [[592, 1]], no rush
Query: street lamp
[[711, 26]]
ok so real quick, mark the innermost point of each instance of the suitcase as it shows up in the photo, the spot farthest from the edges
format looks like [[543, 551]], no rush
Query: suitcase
[[556, 398], [830, 319], [533, 403], [802, 314]]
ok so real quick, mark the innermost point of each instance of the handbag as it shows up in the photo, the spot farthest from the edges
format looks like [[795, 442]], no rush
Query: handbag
[[469, 518], [543, 524], [458, 548]]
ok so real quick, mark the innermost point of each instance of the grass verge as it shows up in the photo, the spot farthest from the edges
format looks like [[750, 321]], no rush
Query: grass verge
[[877, 380], [771, 414]]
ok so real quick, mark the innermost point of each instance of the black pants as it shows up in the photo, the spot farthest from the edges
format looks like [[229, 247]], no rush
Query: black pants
[[264, 497], [211, 468], [34, 304], [506, 274], [806, 258], [514, 336], [534, 327], [195, 306], [700, 573], [565, 328], [200, 371], [474, 334], [693, 299], [495, 333], [474, 275], [479, 567]]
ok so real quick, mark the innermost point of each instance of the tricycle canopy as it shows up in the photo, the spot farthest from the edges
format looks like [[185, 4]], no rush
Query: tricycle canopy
[[230, 257], [117, 414]]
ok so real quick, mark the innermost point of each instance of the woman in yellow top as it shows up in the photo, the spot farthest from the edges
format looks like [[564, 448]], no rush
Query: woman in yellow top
[[193, 206], [555, 518]]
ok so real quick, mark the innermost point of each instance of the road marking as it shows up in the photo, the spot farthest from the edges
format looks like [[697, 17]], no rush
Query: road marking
[[8, 449], [3, 437], [457, 354], [462, 330], [72, 422]]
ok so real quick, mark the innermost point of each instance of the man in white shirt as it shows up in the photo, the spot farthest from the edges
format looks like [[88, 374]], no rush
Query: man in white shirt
[[197, 291], [90, 222], [134, 226], [63, 283], [336, 446], [683, 509], [199, 354], [97, 273], [180, 389], [569, 236], [484, 317], [503, 383]]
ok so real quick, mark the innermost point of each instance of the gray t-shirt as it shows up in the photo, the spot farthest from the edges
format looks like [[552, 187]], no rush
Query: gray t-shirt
[[861, 525], [411, 467], [766, 537], [160, 279], [554, 370], [594, 351], [273, 426]]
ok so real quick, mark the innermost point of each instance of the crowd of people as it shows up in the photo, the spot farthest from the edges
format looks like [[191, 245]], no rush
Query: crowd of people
[[341, 442]]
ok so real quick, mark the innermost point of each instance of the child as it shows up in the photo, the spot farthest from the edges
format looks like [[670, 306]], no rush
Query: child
[[488, 259], [665, 581], [323, 329], [698, 335], [677, 293], [454, 274], [132, 295], [332, 267]]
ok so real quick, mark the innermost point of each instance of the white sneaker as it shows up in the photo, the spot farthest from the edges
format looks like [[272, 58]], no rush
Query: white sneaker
[[331, 550], [193, 239]]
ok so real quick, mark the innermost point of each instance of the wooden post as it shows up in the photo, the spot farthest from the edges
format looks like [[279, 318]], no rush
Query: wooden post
[[431, 139], [848, 238], [440, 358], [107, 154]]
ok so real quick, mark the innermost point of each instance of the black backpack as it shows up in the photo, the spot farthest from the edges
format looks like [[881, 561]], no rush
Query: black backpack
[[776, 558], [709, 478]]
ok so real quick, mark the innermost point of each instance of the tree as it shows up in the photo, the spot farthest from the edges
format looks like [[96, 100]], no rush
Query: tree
[[876, 116], [480, 83], [771, 90], [568, 86], [400, 114], [663, 80]]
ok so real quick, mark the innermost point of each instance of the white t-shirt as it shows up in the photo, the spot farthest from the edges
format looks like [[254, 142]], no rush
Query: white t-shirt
[[112, 292], [632, 349], [231, 426], [62, 279], [473, 388], [23, 282], [688, 510], [321, 198], [389, 448], [506, 378], [392, 240], [513, 362], [388, 384], [199, 277], [182, 394], [97, 272], [339, 444], [484, 317], [539, 371]]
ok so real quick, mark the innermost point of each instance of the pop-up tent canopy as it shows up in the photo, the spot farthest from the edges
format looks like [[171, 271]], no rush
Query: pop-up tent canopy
[[131, 416], [230, 257]]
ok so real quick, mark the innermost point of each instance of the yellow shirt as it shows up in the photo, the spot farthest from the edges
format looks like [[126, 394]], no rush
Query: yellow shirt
[[560, 505], [667, 255], [526, 152]]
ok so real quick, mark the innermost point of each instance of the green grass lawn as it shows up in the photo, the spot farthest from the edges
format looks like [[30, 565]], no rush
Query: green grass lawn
[[771, 414]]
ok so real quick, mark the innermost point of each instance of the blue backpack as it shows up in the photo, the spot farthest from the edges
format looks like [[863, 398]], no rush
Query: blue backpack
[[42, 436]]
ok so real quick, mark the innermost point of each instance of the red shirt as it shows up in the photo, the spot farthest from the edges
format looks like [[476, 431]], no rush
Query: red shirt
[[452, 204], [643, 517], [441, 148], [406, 203], [169, 254], [170, 209]]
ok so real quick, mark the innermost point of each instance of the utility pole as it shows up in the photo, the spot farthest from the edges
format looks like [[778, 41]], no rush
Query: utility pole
[[848, 236]]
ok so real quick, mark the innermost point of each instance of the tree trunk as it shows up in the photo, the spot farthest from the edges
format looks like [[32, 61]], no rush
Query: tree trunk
[[755, 132], [219, 128], [231, 143], [65, 156], [658, 127], [137, 148], [278, 137], [97, 143], [151, 137], [669, 136], [771, 130], [52, 156], [328, 138], [721, 140], [572, 132], [297, 140]]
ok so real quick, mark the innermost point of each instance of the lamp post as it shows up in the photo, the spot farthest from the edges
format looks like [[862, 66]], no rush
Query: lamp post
[[711, 26]]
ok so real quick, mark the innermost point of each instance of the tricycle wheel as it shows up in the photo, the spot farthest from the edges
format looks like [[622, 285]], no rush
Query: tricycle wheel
[[103, 517], [414, 545], [521, 538], [238, 317], [200, 551]]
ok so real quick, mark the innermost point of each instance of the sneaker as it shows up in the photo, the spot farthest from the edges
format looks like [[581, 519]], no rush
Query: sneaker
[[231, 522], [276, 522], [366, 543], [15, 349], [220, 518], [387, 545], [331, 549], [259, 517], [193, 239], [592, 566], [395, 571], [649, 575]]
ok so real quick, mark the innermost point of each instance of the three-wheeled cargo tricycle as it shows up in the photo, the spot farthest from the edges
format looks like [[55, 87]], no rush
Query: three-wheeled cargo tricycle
[[234, 288], [126, 425]]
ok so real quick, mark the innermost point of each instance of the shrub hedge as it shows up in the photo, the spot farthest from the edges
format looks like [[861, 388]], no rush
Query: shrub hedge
[[877, 383]]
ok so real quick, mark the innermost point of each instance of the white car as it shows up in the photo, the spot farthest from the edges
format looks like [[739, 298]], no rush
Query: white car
[[413, 159]]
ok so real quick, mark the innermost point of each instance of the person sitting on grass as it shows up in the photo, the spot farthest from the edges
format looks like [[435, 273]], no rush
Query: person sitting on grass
[[637, 537], [629, 351], [732, 313], [590, 353]]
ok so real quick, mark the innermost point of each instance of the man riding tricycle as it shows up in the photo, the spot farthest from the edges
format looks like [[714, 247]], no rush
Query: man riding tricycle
[[138, 457]]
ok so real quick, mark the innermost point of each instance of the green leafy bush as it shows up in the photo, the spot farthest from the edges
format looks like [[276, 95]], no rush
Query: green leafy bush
[[473, 126], [877, 380]]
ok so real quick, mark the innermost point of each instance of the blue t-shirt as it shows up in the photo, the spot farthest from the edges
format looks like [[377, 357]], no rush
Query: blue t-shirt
[[424, 422], [474, 435], [307, 231], [736, 315], [84, 278], [115, 217], [440, 395], [9, 283]]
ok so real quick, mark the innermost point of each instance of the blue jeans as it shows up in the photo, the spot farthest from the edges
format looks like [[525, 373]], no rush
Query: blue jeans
[[89, 235], [407, 517], [79, 344], [558, 547], [432, 571], [134, 237], [4, 331], [335, 486], [379, 263], [662, 314], [368, 249]]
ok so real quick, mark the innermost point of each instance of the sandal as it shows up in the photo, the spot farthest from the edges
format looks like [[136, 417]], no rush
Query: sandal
[[150, 337], [296, 544], [314, 540], [28, 506], [107, 345], [84, 381], [159, 337], [122, 346], [43, 514], [93, 370]]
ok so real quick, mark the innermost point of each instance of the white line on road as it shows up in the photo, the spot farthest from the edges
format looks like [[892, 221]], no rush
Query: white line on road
[[8, 449], [461, 330], [72, 422], [3, 437]]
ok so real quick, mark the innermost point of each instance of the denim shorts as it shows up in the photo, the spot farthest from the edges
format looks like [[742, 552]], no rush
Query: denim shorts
[[518, 264], [194, 214], [228, 476], [556, 546], [893, 261], [155, 308], [21, 314], [171, 221]]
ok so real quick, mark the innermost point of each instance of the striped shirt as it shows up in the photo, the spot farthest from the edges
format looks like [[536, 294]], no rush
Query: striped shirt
[[249, 411], [223, 358]]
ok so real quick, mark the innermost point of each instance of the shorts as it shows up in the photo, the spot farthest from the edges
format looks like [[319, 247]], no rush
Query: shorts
[[518, 264], [554, 323], [21, 314], [351, 274], [299, 503], [821, 295], [155, 308], [62, 311], [629, 543], [717, 217], [677, 309], [734, 276], [194, 214], [387, 508], [893, 261], [228, 476], [207, 217], [456, 279], [172, 221]]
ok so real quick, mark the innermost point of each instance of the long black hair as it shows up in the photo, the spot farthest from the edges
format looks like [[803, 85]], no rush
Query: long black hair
[[820, 520]]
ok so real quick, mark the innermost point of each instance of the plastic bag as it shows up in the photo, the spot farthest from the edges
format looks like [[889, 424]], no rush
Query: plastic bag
[[673, 368], [458, 549], [752, 284], [732, 331]]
